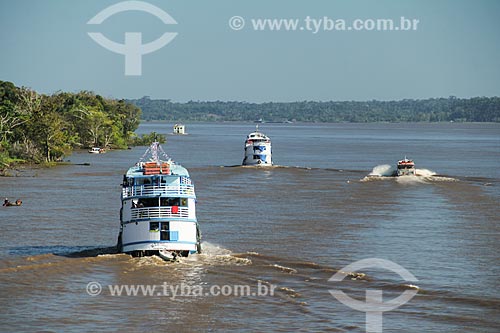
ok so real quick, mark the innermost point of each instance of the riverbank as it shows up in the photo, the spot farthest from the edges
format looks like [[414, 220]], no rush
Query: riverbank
[[27, 169]]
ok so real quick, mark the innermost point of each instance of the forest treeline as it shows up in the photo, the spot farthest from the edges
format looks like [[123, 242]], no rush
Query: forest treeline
[[478, 109], [44, 128]]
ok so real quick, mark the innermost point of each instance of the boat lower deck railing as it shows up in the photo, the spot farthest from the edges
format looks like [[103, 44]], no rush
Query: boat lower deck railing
[[159, 212], [154, 190]]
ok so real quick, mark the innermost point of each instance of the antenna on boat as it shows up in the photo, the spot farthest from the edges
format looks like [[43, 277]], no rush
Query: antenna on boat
[[156, 151], [256, 128]]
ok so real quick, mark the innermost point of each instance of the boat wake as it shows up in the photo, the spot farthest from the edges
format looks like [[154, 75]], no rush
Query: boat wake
[[215, 255], [211, 255], [57, 258], [386, 171], [258, 166], [425, 173]]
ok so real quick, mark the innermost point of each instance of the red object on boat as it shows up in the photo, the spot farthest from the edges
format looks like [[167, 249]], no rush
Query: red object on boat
[[165, 168], [175, 209], [151, 168]]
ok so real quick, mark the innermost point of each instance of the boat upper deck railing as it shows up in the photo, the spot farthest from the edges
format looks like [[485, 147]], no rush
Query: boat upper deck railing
[[159, 212], [157, 190]]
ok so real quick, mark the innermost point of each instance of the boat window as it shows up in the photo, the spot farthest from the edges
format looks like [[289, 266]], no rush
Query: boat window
[[184, 202], [172, 202], [154, 226], [147, 202], [165, 231], [142, 181]]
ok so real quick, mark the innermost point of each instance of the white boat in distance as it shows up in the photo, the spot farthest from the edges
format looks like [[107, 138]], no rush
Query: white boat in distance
[[97, 150], [158, 213], [257, 149], [406, 167]]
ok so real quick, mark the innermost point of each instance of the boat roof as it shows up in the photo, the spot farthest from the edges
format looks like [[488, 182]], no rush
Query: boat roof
[[405, 161], [176, 170], [257, 135], [156, 154]]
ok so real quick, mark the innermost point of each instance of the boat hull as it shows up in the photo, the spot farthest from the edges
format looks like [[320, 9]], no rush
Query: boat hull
[[258, 154], [155, 235]]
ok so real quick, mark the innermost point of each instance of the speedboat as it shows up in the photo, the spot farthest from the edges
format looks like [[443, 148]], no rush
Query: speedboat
[[406, 167]]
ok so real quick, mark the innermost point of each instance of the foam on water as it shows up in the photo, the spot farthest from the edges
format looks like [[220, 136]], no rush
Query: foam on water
[[284, 269], [383, 170], [213, 254], [211, 249], [410, 180], [425, 172], [386, 171], [411, 286]]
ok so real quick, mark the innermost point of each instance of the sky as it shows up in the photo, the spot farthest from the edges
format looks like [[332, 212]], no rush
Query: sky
[[454, 50]]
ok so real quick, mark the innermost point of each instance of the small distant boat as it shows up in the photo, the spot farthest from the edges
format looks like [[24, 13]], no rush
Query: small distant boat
[[179, 129], [406, 167], [97, 150], [257, 149], [7, 203]]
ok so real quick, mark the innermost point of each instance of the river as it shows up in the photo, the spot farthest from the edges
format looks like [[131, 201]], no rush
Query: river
[[290, 227]]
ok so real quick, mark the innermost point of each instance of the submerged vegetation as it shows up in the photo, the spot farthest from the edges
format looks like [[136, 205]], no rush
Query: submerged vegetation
[[478, 109], [40, 128]]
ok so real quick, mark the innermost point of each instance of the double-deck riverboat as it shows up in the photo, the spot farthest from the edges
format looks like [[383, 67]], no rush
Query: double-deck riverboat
[[257, 149], [158, 213]]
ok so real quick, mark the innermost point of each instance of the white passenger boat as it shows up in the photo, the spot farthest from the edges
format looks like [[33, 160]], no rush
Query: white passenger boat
[[97, 150], [179, 129], [158, 214], [406, 167], [257, 149]]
